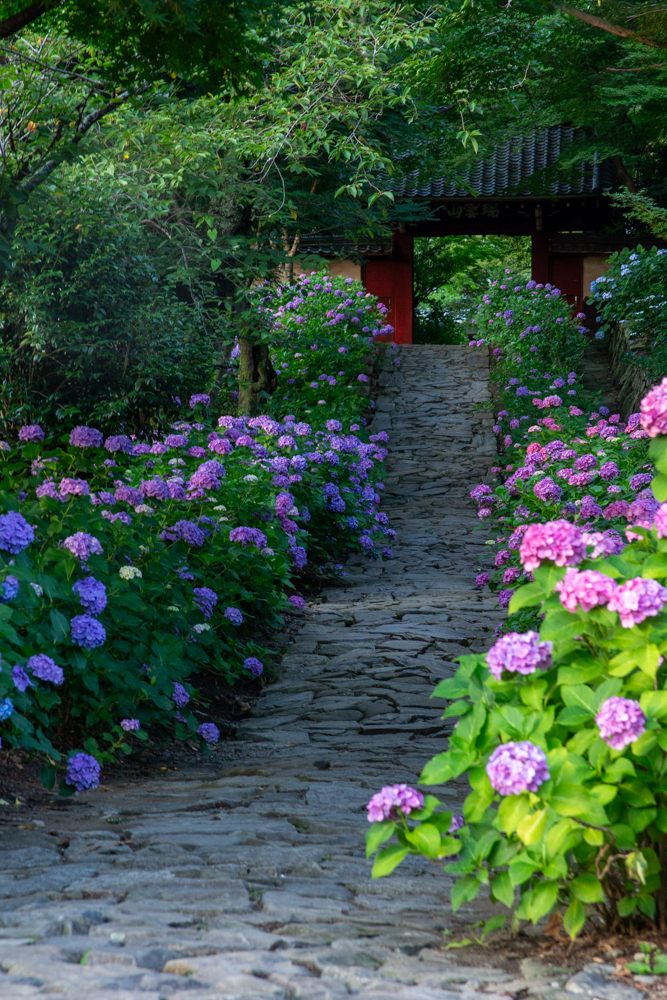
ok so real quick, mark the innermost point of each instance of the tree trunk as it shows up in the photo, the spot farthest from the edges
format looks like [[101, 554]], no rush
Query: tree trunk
[[224, 352], [256, 375]]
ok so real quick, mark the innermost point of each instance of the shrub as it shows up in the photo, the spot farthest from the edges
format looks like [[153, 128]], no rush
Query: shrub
[[128, 565], [561, 729]]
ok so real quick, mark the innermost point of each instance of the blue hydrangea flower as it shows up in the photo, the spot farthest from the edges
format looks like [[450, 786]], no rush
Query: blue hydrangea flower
[[87, 631], [92, 594], [6, 708], [209, 731], [45, 668], [15, 532], [10, 589], [83, 771]]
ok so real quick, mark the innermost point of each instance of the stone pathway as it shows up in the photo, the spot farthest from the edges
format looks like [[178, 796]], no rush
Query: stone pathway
[[246, 877]]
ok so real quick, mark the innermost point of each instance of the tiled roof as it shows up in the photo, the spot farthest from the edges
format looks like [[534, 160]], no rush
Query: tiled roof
[[511, 163]]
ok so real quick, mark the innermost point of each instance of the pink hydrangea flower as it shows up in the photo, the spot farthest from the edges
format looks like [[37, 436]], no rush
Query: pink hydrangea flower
[[391, 799], [556, 541], [514, 768], [637, 599], [660, 521], [519, 652], [653, 409], [620, 721], [585, 590]]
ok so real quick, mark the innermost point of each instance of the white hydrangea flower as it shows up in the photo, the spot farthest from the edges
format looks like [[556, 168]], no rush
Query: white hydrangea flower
[[176, 461], [143, 508], [251, 479], [173, 607], [201, 627], [38, 590], [129, 572], [220, 506]]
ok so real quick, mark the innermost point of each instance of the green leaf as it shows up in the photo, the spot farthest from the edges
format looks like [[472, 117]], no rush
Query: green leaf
[[378, 833], [47, 776], [574, 918], [446, 766], [502, 889], [512, 810], [387, 859], [654, 704], [426, 838], [655, 567], [531, 828], [587, 888], [659, 487], [543, 899], [625, 907], [59, 625], [464, 890], [527, 596], [580, 696]]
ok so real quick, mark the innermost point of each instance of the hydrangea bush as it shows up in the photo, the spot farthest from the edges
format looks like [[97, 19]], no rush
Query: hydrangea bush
[[562, 724], [127, 565]]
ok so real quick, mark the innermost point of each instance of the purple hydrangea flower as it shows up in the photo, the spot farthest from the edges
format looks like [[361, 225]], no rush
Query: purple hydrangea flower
[[220, 446], [641, 479], [205, 599], [620, 721], [82, 545], [83, 771], [92, 594], [31, 432], [209, 731], [199, 397], [203, 480], [189, 532], [156, 489], [86, 437], [42, 666], [176, 441], [514, 768], [254, 665], [482, 580], [180, 695], [9, 589], [234, 616], [87, 631], [21, 679], [586, 462], [392, 799], [557, 541], [48, 489], [141, 448], [609, 471], [74, 487], [130, 725], [637, 599], [519, 652], [15, 532], [585, 590], [248, 536], [504, 598], [297, 602], [605, 543], [128, 494], [118, 442], [546, 489]]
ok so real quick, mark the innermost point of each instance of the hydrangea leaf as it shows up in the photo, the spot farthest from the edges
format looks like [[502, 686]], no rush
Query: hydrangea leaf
[[378, 833], [574, 918], [502, 889], [387, 859], [531, 828], [587, 888], [512, 810], [426, 838], [526, 596], [464, 891]]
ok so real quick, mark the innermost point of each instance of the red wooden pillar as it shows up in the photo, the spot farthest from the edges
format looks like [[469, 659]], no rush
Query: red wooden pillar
[[540, 256], [390, 279]]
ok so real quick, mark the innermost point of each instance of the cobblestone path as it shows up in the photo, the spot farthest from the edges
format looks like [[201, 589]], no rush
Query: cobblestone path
[[246, 878]]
